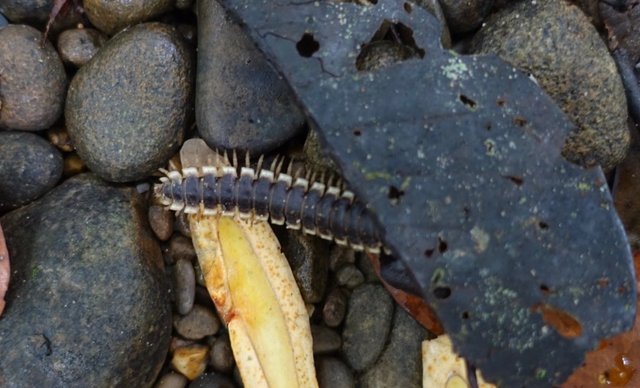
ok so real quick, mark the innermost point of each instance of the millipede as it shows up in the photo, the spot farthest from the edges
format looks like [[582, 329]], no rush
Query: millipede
[[316, 207]]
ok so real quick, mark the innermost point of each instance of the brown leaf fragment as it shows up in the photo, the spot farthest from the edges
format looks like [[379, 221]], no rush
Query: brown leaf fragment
[[58, 6], [5, 270]]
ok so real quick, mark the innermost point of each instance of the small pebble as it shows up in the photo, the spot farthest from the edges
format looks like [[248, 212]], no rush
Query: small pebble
[[185, 286], [333, 373], [335, 307], [349, 276], [111, 16], [364, 264], [184, 4], [465, 15], [221, 356], [340, 256], [79, 45], [212, 380], [172, 380], [307, 256], [325, 340], [161, 221], [181, 247], [197, 324]]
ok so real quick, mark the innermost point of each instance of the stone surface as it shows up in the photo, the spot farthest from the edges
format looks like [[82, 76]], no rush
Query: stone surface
[[127, 121], [333, 373], [181, 247], [349, 276], [325, 340], [77, 46], [335, 307], [241, 102], [367, 325], [88, 299], [161, 221], [111, 16], [197, 324], [212, 380], [185, 286], [400, 364], [30, 167], [172, 380], [556, 43], [30, 72], [465, 15], [221, 355]]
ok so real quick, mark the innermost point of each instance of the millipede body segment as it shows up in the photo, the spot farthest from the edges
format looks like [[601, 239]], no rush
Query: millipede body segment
[[262, 194]]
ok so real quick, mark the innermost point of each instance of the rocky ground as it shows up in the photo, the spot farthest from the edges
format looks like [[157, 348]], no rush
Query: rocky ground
[[105, 285]]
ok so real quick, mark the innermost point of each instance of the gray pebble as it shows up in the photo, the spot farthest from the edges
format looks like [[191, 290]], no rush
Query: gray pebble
[[111, 16], [307, 256], [241, 102], [172, 380], [221, 355], [31, 72], [199, 275], [325, 340], [333, 373], [181, 247], [30, 167], [77, 46], [349, 276], [364, 264], [465, 15], [161, 221], [88, 291], [335, 307], [340, 256], [127, 121], [212, 380], [184, 4], [185, 286], [367, 325], [197, 324]]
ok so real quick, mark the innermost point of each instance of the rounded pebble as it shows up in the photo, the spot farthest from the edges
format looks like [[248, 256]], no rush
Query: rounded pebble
[[367, 325], [172, 380], [31, 72], [333, 373], [161, 221], [79, 45], [349, 276], [307, 256], [127, 121], [181, 247], [185, 283], [325, 340], [335, 308], [212, 380], [465, 15], [221, 355], [111, 16], [556, 43], [241, 101], [197, 324], [30, 167], [88, 291]]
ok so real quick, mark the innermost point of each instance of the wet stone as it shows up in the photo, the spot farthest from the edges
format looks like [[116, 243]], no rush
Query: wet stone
[[465, 15], [221, 356], [30, 72], [111, 16], [181, 247], [75, 285], [400, 364], [335, 307], [556, 43], [197, 324], [161, 221], [241, 102], [185, 286], [349, 276], [30, 167], [125, 133], [212, 380], [367, 325], [307, 256], [79, 45], [172, 380], [325, 340], [333, 373]]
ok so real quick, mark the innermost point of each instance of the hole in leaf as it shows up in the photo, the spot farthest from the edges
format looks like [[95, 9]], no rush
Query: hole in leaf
[[357, 132], [561, 321], [391, 43], [307, 45], [545, 289], [602, 282], [543, 225], [465, 315], [429, 253], [519, 121], [488, 126], [395, 194], [442, 292], [442, 245], [501, 102], [471, 104], [407, 7], [517, 180]]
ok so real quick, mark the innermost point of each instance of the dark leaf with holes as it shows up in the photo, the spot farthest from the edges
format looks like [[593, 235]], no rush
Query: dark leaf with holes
[[519, 252]]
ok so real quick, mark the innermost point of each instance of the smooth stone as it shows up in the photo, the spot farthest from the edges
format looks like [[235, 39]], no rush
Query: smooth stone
[[335, 307], [161, 221], [221, 355], [185, 286], [325, 340], [241, 102], [364, 264], [349, 276], [307, 256], [556, 43], [31, 72], [79, 45], [333, 373], [127, 121], [30, 167], [400, 364], [181, 247], [367, 325], [197, 324], [212, 380], [172, 380], [465, 15], [111, 16], [88, 298]]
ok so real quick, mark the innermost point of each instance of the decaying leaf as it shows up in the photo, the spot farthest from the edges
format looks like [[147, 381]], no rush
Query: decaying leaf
[[5, 270], [256, 295], [441, 367]]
